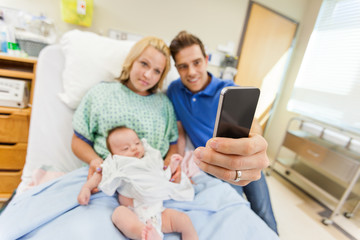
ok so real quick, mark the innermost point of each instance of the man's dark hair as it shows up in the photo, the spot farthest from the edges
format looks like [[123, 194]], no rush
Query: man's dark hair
[[183, 40]]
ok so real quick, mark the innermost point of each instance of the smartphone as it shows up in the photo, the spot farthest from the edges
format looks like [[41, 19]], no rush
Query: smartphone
[[235, 113]]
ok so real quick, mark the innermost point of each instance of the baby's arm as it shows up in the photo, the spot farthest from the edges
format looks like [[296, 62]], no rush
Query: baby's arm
[[85, 192]]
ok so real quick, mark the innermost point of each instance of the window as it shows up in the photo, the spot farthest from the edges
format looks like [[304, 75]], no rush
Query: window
[[327, 87]]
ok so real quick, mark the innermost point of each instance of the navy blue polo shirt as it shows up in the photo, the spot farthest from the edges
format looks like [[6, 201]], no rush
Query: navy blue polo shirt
[[197, 112]]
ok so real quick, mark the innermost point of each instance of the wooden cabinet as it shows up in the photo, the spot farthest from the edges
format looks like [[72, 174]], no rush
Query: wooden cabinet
[[326, 167], [14, 125]]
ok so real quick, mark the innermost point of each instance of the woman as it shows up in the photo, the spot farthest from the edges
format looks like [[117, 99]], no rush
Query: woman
[[133, 102]]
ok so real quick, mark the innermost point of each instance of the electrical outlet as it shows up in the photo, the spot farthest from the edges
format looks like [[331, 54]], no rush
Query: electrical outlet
[[120, 35]]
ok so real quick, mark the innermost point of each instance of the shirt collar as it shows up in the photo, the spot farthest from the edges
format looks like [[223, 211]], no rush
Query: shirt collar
[[209, 90]]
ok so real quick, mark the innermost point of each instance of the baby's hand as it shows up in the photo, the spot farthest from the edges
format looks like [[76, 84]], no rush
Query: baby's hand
[[84, 196]]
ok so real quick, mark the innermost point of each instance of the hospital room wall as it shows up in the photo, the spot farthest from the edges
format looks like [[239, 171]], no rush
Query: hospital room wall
[[215, 22], [280, 116]]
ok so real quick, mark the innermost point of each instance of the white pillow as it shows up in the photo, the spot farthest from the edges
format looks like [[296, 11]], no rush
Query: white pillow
[[89, 59]]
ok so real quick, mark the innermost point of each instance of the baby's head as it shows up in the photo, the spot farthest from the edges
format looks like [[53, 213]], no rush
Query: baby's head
[[124, 141]]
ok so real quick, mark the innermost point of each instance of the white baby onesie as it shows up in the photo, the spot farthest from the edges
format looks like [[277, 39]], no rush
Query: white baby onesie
[[146, 182]]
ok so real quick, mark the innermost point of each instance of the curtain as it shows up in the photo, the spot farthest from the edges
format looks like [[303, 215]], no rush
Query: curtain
[[327, 87]]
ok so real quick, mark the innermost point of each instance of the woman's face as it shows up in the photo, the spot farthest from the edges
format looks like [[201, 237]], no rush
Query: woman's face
[[146, 71]]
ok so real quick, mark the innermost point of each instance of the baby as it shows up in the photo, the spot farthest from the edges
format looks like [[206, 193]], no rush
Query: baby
[[135, 171]]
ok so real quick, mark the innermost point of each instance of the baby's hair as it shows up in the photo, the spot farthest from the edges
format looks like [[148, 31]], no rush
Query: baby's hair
[[110, 132]]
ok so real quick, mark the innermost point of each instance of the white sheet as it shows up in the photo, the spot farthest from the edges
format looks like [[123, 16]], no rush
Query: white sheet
[[51, 211], [46, 123]]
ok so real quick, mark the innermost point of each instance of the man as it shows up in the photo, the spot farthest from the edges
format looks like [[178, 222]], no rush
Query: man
[[195, 98]]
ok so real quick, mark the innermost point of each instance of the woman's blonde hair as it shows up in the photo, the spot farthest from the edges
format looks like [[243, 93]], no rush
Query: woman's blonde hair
[[137, 50]]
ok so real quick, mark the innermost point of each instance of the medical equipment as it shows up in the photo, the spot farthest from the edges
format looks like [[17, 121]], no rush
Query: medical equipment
[[14, 93]]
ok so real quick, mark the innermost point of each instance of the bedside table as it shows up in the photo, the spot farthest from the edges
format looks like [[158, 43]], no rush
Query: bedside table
[[14, 125], [321, 159]]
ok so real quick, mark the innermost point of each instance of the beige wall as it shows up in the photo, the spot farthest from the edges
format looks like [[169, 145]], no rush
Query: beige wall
[[277, 124], [215, 22]]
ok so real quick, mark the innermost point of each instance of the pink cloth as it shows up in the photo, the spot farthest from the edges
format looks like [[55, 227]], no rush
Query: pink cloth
[[40, 176], [188, 166]]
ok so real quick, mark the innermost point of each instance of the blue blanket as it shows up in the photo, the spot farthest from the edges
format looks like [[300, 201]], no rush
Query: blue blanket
[[51, 211]]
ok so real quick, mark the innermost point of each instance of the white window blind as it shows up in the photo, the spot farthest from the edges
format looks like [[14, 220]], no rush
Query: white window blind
[[327, 87]]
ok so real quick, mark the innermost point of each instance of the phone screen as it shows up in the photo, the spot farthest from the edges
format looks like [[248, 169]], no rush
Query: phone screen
[[236, 111]]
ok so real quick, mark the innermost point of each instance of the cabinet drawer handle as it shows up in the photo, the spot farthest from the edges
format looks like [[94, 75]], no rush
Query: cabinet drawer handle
[[314, 154], [5, 115]]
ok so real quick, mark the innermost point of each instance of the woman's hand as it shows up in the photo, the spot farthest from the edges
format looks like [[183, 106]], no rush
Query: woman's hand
[[237, 161], [95, 166], [176, 176], [86, 153]]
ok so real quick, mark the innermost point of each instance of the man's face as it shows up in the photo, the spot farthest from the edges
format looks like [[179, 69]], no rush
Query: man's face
[[192, 65]]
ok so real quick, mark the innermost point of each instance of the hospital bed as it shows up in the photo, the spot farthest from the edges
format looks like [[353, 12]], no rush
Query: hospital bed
[[47, 208]]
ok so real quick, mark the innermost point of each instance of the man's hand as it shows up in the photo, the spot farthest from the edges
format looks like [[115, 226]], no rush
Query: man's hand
[[227, 158]]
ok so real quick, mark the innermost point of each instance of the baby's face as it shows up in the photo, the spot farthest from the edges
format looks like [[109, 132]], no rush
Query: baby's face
[[125, 142]]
